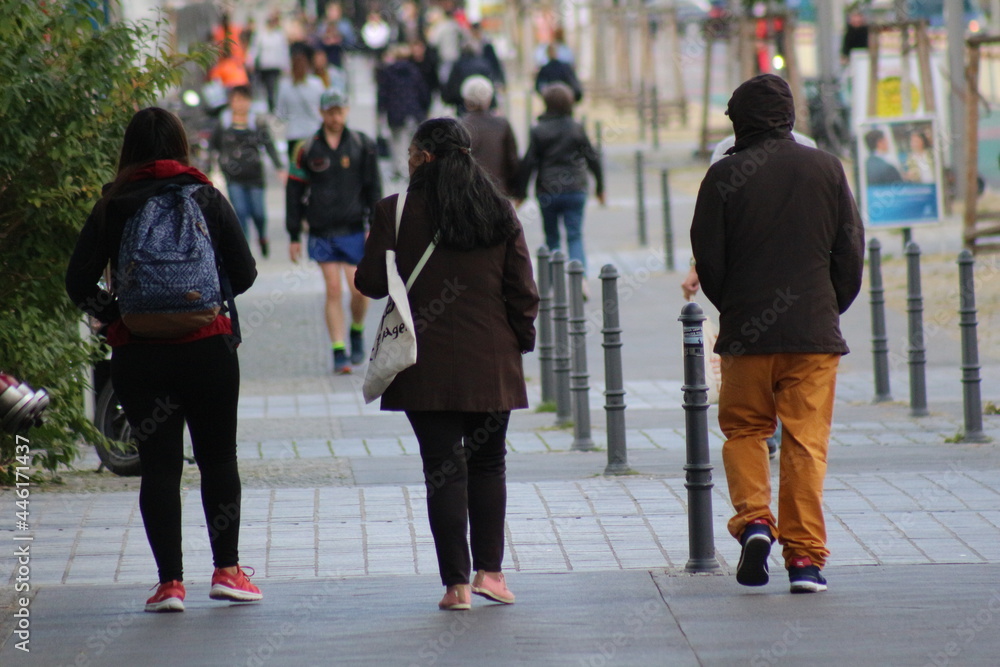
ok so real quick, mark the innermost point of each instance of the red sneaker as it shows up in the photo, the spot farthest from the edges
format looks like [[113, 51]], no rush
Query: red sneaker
[[169, 596], [236, 587]]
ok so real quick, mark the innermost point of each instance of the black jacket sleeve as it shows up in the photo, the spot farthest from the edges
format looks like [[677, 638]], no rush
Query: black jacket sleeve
[[372, 189], [847, 257], [86, 266]]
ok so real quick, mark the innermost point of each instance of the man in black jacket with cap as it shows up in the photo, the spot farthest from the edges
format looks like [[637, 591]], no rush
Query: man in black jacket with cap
[[779, 250]]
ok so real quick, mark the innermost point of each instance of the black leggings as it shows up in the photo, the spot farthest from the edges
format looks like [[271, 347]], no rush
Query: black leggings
[[466, 478], [160, 388]]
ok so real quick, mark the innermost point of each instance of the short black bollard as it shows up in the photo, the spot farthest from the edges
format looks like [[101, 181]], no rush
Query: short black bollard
[[560, 334], [654, 99], [545, 325], [971, 397], [579, 379], [640, 196], [614, 385], [701, 541], [668, 224], [880, 339], [915, 318]]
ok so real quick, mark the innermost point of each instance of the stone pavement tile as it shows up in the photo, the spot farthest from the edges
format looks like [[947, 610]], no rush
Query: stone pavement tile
[[318, 448], [946, 550], [526, 443], [349, 447], [556, 440], [277, 450], [384, 446]]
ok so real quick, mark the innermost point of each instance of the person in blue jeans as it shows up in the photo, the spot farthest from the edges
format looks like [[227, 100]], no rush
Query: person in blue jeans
[[237, 141], [561, 154]]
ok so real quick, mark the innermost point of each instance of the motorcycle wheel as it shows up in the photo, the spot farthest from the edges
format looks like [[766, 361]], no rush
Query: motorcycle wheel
[[122, 460]]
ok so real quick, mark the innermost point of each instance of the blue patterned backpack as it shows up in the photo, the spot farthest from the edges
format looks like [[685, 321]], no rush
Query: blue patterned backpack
[[168, 278]]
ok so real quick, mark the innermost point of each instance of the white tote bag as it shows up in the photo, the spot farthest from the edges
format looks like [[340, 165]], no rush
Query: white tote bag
[[395, 346]]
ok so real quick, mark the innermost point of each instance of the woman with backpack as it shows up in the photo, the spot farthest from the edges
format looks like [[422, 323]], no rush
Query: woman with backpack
[[171, 364], [474, 304]]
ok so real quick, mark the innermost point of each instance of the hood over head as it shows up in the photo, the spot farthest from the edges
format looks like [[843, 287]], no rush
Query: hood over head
[[761, 107]]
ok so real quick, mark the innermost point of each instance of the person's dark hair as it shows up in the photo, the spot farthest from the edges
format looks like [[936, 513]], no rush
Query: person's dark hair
[[244, 91], [152, 134], [466, 208], [558, 99], [872, 138], [301, 49]]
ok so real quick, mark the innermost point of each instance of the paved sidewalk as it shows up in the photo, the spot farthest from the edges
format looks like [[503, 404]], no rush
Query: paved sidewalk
[[334, 516]]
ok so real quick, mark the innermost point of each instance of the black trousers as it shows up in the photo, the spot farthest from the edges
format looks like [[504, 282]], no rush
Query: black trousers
[[162, 387], [466, 478]]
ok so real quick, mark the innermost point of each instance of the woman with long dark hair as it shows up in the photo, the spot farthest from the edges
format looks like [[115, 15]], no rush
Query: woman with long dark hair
[[474, 305], [163, 383]]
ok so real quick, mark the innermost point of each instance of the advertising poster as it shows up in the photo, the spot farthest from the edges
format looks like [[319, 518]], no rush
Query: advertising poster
[[900, 172]]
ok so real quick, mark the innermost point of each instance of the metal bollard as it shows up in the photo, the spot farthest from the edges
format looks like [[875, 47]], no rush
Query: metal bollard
[[701, 542], [578, 377], [641, 109], [668, 225], [656, 118], [560, 331], [915, 317], [614, 386], [545, 357], [971, 398], [640, 194], [880, 339], [599, 138]]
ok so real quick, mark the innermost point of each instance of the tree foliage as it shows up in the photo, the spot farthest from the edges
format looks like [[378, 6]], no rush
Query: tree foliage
[[68, 86]]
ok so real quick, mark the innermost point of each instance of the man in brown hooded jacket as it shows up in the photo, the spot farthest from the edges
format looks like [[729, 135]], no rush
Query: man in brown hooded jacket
[[779, 249]]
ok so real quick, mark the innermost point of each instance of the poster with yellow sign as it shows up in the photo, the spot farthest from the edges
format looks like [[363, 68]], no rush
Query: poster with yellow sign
[[899, 155]]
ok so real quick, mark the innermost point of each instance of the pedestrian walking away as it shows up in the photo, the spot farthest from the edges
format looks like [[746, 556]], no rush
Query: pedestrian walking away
[[560, 152], [298, 99], [190, 376], [779, 250], [493, 143], [333, 184], [474, 304], [237, 142], [403, 98]]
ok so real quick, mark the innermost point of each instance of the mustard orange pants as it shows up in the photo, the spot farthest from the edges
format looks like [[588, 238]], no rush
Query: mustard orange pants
[[798, 389]]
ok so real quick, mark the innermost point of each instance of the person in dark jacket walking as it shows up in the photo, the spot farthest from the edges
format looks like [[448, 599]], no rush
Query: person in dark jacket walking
[[493, 143], [471, 63], [404, 98], [164, 383], [557, 71], [779, 250], [237, 141], [333, 184], [474, 305], [561, 153]]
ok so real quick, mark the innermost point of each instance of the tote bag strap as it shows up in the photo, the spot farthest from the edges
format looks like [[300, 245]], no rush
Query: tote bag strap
[[400, 202]]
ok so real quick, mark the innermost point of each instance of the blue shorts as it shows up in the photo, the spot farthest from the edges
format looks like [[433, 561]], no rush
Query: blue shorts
[[348, 249]]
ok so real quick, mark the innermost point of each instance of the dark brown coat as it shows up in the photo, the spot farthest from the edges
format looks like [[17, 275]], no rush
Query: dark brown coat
[[776, 234], [494, 148], [473, 313]]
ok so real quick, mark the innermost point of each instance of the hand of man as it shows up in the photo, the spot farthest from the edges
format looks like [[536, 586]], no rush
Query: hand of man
[[295, 251], [601, 200], [690, 285]]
